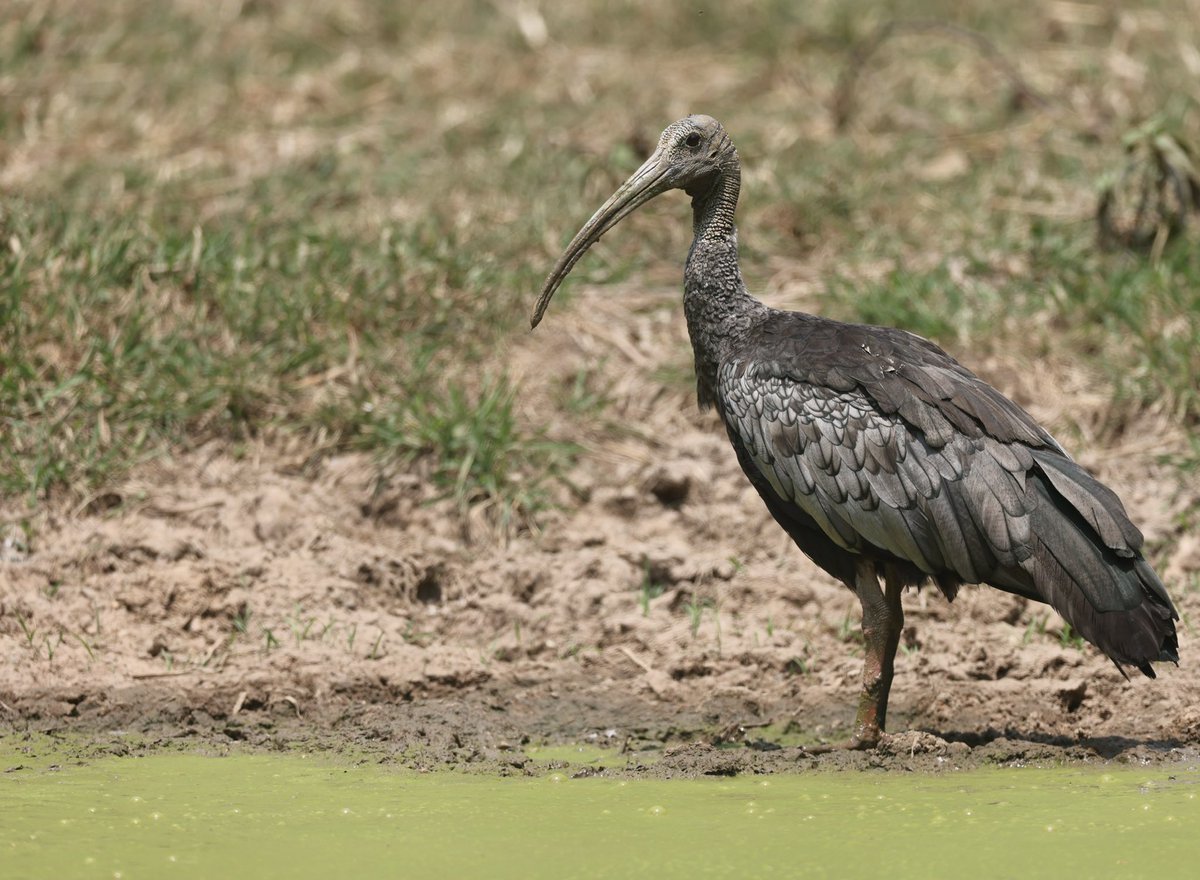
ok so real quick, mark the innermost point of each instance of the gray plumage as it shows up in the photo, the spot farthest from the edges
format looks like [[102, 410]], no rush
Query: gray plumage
[[894, 451], [881, 455]]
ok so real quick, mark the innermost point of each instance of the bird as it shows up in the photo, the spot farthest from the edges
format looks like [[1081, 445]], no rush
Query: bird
[[887, 462]]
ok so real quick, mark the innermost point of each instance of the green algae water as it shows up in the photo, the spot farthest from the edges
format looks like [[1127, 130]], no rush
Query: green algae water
[[295, 816]]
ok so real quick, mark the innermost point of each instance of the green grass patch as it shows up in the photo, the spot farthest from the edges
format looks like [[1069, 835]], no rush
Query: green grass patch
[[119, 339], [930, 304], [1140, 319], [479, 452]]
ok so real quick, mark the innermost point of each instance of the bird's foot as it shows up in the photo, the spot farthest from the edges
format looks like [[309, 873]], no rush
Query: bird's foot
[[864, 743], [853, 744]]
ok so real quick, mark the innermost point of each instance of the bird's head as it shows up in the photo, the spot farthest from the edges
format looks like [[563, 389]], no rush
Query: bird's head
[[691, 155]]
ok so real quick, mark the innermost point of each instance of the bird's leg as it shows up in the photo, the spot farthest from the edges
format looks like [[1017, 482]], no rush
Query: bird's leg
[[882, 623]]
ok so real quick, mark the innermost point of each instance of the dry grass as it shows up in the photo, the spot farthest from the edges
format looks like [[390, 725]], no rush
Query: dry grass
[[324, 223]]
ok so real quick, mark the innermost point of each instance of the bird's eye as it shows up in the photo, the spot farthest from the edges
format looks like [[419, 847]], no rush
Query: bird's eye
[[692, 140]]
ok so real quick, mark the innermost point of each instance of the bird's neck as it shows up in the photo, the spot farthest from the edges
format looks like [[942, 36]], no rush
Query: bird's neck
[[719, 310], [714, 202]]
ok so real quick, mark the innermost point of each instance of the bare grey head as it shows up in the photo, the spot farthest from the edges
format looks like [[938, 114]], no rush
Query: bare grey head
[[692, 155]]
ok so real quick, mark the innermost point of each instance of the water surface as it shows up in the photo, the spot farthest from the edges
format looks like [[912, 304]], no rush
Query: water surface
[[302, 816]]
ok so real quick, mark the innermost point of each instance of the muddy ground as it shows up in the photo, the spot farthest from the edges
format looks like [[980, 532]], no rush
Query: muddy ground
[[259, 596]]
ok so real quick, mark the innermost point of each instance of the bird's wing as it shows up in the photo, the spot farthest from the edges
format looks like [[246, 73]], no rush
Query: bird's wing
[[902, 374], [870, 479], [887, 442]]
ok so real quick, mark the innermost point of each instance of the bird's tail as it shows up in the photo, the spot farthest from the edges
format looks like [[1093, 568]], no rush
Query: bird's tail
[[1086, 563]]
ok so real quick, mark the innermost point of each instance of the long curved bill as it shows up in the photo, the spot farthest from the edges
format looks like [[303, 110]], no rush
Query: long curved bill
[[644, 184]]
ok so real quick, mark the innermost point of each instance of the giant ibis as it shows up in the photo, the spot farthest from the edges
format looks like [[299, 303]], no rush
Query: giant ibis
[[882, 456]]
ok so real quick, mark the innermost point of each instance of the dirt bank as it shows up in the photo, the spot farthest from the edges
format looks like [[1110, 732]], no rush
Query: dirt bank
[[260, 598]]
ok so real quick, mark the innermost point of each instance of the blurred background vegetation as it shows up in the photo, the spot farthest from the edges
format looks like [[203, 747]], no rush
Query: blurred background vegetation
[[320, 225]]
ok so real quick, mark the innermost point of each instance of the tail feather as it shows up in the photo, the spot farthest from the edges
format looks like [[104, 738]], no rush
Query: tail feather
[[1110, 595]]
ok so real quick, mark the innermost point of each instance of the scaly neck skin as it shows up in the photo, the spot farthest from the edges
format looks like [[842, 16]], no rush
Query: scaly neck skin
[[719, 310]]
